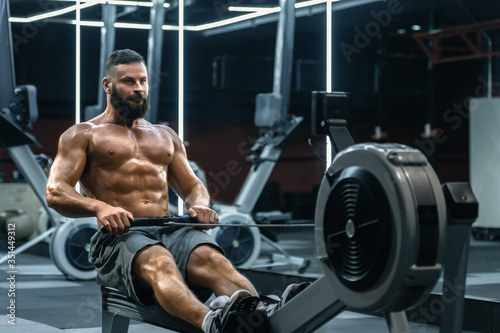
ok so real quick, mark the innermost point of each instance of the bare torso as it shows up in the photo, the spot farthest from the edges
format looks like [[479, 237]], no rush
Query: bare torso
[[127, 167]]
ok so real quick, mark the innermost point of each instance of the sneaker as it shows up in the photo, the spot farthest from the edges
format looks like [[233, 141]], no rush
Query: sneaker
[[273, 303], [240, 301], [218, 302]]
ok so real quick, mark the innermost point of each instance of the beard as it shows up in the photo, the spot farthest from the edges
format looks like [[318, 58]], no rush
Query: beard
[[127, 110]]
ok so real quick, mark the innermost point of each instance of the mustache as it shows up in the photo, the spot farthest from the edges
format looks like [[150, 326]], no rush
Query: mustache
[[136, 98]]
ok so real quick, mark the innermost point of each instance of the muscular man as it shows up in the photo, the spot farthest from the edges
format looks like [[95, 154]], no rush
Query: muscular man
[[124, 164]]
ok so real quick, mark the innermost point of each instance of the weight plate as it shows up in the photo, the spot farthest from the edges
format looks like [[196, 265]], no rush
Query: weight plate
[[69, 247]]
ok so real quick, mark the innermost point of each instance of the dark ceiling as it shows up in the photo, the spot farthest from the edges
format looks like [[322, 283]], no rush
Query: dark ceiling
[[248, 54], [202, 11]]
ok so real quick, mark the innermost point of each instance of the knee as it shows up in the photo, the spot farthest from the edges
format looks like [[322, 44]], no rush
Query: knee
[[154, 265], [207, 265], [209, 258]]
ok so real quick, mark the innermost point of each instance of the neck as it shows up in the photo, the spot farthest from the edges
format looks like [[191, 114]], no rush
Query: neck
[[111, 116]]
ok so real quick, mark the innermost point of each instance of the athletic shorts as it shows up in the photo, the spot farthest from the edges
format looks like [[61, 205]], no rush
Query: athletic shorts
[[112, 256]]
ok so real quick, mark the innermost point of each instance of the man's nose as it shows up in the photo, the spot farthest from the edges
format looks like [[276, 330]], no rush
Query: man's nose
[[138, 87]]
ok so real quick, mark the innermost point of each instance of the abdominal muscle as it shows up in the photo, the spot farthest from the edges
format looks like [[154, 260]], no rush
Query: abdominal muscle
[[143, 191]]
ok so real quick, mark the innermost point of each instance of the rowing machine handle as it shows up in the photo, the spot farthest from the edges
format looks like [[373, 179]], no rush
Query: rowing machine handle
[[158, 221]]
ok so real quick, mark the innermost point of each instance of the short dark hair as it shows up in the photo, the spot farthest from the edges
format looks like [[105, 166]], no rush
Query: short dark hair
[[119, 57]]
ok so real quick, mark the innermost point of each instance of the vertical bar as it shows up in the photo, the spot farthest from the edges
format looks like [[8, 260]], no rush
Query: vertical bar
[[329, 57], [454, 279], [155, 46], [77, 63], [8, 81], [430, 122], [77, 71], [397, 322], [283, 58], [329, 79], [26, 162], [180, 203], [379, 88], [490, 66], [108, 34], [278, 53]]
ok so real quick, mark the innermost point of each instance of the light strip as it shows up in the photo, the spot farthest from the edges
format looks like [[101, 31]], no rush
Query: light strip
[[130, 3], [180, 202], [258, 9], [329, 82], [237, 19], [256, 12], [88, 3], [134, 3], [53, 13], [245, 9], [77, 70], [77, 63], [89, 23], [140, 26], [312, 3], [121, 3]]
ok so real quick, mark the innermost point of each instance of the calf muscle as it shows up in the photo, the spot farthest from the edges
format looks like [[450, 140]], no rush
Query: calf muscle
[[155, 268]]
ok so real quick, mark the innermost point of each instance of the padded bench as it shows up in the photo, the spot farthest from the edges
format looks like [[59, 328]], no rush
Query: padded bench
[[118, 309]]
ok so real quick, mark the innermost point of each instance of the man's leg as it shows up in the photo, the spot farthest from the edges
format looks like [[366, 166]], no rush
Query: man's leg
[[154, 266], [207, 267]]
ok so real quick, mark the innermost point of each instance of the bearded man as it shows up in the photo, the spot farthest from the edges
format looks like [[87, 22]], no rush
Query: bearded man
[[125, 165]]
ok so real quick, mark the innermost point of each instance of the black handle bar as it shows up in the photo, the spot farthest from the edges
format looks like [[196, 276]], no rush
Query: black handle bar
[[160, 221]]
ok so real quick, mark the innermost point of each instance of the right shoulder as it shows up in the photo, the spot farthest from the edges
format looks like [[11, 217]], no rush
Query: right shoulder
[[77, 133]]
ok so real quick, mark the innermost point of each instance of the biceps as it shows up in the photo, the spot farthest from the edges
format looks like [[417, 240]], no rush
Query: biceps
[[67, 168]]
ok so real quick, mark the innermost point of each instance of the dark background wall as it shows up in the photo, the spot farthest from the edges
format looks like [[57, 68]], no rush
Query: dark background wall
[[390, 80]]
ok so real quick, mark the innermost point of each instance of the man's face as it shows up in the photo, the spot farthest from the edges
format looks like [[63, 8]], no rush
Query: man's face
[[129, 91]]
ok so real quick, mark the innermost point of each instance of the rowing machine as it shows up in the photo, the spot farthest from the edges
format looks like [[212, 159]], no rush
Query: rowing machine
[[381, 220]]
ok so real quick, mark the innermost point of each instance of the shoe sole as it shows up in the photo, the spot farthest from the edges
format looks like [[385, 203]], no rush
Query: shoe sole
[[243, 302], [294, 292]]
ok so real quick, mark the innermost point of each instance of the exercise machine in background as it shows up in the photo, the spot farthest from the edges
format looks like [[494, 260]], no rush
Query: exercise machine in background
[[18, 111], [243, 245]]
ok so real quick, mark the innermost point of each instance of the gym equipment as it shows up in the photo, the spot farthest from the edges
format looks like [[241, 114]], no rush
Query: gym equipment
[[243, 245], [18, 111], [118, 309], [20, 221], [188, 221], [484, 139], [463, 210], [381, 227], [70, 246]]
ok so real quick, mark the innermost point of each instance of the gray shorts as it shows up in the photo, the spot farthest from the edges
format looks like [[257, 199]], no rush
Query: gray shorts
[[112, 256]]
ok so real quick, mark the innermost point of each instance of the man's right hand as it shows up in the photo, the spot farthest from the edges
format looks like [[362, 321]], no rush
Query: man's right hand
[[116, 220]]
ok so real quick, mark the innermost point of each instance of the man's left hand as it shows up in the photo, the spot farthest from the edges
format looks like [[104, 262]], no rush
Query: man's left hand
[[204, 215]]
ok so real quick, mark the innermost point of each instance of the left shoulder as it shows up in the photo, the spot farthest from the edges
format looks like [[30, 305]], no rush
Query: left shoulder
[[164, 129], [169, 133]]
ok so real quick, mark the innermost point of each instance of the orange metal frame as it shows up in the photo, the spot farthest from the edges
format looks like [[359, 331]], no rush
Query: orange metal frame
[[471, 35]]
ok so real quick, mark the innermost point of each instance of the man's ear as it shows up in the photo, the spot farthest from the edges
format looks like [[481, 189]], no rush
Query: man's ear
[[106, 84]]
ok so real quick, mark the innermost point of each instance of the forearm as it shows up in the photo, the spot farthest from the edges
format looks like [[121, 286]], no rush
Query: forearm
[[68, 202], [198, 196], [198, 205]]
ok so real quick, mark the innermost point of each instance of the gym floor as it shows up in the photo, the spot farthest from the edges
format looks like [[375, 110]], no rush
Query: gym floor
[[45, 301]]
